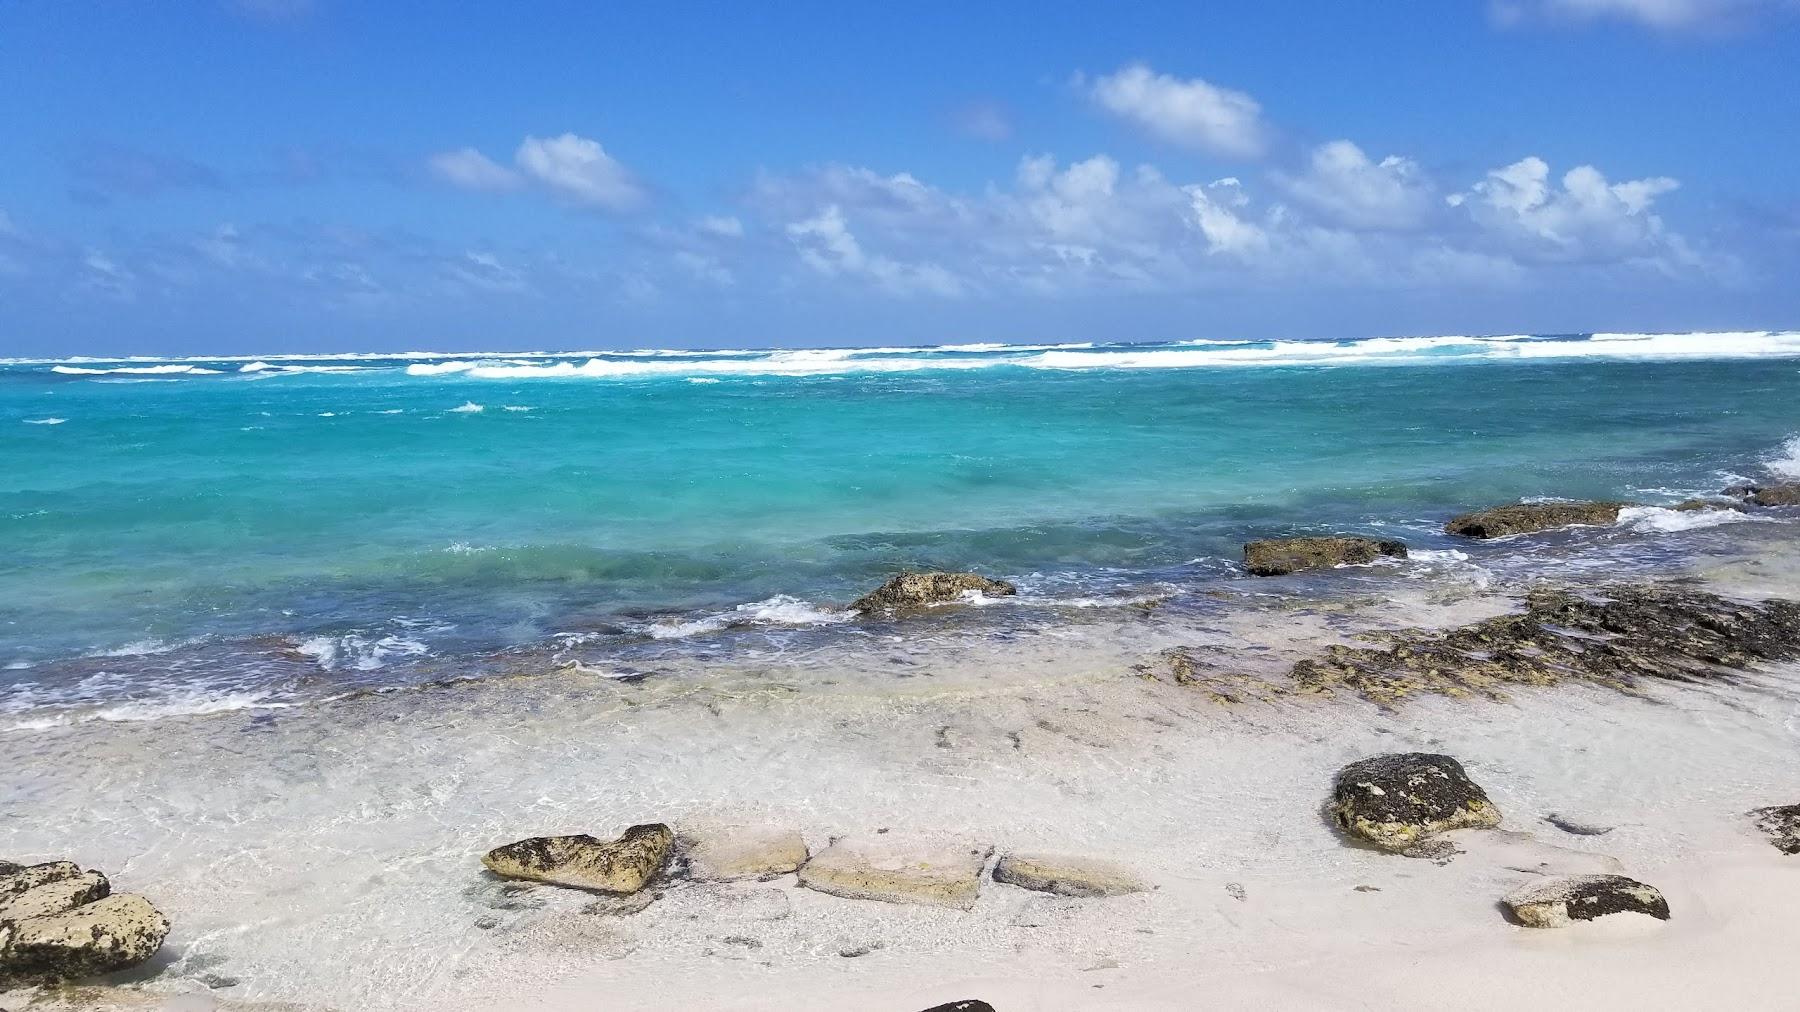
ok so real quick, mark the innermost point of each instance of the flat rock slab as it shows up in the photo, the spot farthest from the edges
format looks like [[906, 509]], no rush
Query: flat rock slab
[[1558, 902], [1782, 823], [910, 591], [730, 855], [1395, 801], [31, 876], [1067, 875], [102, 936], [1281, 556], [583, 862], [899, 871], [55, 897], [1527, 517]]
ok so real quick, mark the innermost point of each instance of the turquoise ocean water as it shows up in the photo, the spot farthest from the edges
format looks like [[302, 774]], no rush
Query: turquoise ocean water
[[230, 529]]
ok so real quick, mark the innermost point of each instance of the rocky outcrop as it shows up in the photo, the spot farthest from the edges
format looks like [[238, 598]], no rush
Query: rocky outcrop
[[1610, 636], [1700, 506], [1281, 556], [898, 871], [58, 922], [1066, 875], [729, 855], [584, 862], [1782, 823], [1558, 902], [912, 591], [1785, 493], [1396, 801], [1526, 517], [90, 939]]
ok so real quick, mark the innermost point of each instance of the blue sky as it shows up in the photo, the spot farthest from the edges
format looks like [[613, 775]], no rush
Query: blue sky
[[322, 175]]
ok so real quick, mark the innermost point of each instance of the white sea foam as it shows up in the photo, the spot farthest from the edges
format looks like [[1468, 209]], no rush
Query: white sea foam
[[1658, 520], [45, 421], [359, 652], [516, 407], [780, 610], [1787, 462], [144, 370], [468, 408]]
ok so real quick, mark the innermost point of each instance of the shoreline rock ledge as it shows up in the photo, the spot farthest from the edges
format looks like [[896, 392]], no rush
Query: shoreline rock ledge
[[1559, 902], [620, 867], [898, 871], [911, 591], [1782, 824], [1066, 875], [1529, 517], [1398, 800], [59, 922], [1281, 556]]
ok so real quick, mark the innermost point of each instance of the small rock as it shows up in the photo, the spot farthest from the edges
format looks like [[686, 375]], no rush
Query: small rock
[[1395, 801], [487, 923], [1783, 826], [966, 1005], [1576, 826], [742, 941], [1368, 889], [1526, 517], [730, 855], [860, 949], [1700, 506], [1281, 556], [1557, 902], [583, 862], [911, 591], [1440, 851], [1236, 891], [1067, 876], [100, 937], [896, 870], [55, 897]]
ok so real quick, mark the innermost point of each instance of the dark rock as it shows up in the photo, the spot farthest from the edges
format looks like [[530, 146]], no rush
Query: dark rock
[[966, 1005], [1525, 517], [860, 949], [1783, 826], [8, 867], [1700, 506], [1236, 891], [1395, 801], [583, 862], [1577, 827], [911, 591], [1785, 494], [1611, 636], [1280, 556], [1556, 902]]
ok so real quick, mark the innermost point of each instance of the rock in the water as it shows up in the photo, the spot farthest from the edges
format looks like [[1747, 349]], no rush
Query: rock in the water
[[966, 1005], [1782, 823], [1281, 556], [910, 591], [898, 871], [727, 855], [100, 937], [32, 876], [1067, 876], [1700, 506], [1785, 494], [1525, 517], [1557, 902], [1394, 801], [584, 862], [59, 896], [1576, 826]]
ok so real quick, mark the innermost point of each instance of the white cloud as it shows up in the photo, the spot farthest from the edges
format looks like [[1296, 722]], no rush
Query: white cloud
[[1192, 113], [826, 244], [569, 167], [471, 170], [1346, 187], [1662, 15], [580, 170], [1584, 219], [1216, 209], [723, 226]]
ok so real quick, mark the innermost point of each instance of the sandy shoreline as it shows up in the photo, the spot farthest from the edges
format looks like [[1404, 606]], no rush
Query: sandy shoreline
[[281, 843]]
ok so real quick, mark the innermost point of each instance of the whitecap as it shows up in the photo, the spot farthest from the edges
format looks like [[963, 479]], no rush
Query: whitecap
[[1659, 520], [1787, 463], [780, 610], [45, 421], [516, 407], [359, 652], [468, 408]]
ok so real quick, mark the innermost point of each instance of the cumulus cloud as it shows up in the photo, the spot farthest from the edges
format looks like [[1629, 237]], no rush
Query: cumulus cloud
[[826, 244], [1344, 185], [1191, 113], [1584, 218], [571, 168]]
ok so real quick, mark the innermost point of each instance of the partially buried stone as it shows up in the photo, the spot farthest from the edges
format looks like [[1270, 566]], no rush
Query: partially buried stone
[[1527, 517], [1067, 876], [1558, 902], [911, 591], [728, 855], [1395, 801], [1782, 823], [584, 862], [1281, 556], [897, 870]]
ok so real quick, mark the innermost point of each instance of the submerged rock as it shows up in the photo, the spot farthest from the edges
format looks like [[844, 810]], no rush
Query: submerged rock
[[727, 855], [1067, 876], [898, 871], [1576, 826], [95, 938], [1281, 556], [1526, 517], [1612, 636], [1782, 823], [910, 591], [1184, 667], [1557, 902], [1395, 801], [584, 862]]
